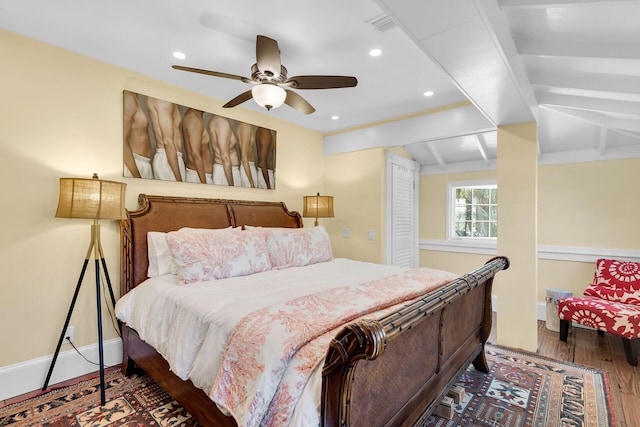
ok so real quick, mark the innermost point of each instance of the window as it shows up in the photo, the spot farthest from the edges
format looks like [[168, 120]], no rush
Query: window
[[472, 210]]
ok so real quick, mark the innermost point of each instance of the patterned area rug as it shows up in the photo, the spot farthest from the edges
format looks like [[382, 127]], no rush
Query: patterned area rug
[[131, 401], [524, 389], [520, 390]]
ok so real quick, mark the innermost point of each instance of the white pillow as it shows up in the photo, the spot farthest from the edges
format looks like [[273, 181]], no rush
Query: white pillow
[[160, 259], [218, 254], [297, 247]]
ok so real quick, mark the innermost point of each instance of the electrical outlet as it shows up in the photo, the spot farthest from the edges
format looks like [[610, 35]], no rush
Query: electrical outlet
[[69, 334]]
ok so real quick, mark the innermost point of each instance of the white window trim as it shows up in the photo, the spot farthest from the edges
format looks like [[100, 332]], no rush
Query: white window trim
[[467, 246], [468, 241]]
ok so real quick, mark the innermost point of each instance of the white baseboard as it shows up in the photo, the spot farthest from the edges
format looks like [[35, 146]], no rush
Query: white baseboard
[[30, 375]]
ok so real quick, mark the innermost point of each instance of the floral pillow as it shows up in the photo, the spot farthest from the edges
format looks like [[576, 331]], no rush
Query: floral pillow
[[218, 254], [160, 259], [297, 247]]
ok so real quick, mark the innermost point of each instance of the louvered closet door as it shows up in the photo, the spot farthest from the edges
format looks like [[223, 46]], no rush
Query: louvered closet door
[[403, 233]]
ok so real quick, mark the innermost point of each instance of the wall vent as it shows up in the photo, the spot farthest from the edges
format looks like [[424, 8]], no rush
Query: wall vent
[[381, 22]]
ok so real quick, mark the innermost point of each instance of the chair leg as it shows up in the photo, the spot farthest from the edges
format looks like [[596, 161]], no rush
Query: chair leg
[[631, 350], [564, 329]]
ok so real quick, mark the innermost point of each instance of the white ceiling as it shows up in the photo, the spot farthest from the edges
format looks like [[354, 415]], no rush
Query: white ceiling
[[574, 66]]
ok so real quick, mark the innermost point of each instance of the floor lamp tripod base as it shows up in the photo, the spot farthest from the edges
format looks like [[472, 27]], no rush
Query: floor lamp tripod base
[[96, 248]]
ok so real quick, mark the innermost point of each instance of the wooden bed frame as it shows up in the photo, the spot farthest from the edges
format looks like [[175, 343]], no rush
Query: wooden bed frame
[[392, 371]]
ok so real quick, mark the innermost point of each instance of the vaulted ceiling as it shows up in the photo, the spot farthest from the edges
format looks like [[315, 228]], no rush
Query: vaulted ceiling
[[573, 66]]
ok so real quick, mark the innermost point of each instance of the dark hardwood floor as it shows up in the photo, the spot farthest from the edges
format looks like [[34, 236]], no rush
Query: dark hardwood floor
[[586, 347]]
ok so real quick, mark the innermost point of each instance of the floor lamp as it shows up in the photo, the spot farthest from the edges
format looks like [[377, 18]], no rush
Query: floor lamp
[[94, 199], [317, 207]]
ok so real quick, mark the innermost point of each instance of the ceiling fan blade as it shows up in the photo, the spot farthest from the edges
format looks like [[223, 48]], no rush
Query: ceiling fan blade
[[322, 82], [297, 102], [268, 56], [211, 73], [244, 96]]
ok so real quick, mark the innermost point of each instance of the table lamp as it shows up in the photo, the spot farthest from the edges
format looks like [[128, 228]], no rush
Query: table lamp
[[317, 207]]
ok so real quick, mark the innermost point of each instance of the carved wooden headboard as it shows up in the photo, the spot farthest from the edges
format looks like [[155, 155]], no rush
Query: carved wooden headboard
[[164, 214]]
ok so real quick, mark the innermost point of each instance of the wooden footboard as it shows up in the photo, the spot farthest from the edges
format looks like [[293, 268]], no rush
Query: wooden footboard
[[395, 371], [388, 372]]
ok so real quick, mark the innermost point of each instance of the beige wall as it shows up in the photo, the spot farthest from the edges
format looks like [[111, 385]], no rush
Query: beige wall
[[586, 205], [592, 204], [357, 182], [567, 275], [60, 116], [583, 205]]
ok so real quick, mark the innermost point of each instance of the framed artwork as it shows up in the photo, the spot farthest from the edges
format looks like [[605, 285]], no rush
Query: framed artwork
[[171, 142]]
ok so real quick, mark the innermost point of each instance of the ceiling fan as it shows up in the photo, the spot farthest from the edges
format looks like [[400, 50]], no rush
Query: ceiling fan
[[272, 87]]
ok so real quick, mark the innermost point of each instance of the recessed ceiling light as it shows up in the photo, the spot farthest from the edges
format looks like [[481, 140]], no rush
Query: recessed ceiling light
[[179, 55], [335, 117], [375, 52], [428, 93]]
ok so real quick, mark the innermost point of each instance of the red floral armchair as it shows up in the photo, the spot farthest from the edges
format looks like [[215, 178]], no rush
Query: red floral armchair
[[610, 304]]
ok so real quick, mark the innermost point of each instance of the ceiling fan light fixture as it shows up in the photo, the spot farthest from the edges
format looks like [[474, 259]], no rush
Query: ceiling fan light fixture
[[268, 95], [269, 77]]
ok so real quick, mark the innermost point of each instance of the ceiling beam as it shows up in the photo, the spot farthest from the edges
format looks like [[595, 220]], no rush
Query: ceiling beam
[[588, 81], [596, 118], [460, 121], [586, 116], [497, 24], [579, 50], [431, 146], [630, 128], [590, 104], [533, 4], [629, 134], [623, 124], [419, 152], [603, 141], [482, 147]]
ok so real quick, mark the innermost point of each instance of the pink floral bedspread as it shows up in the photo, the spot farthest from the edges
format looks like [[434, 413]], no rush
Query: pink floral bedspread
[[272, 351]]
